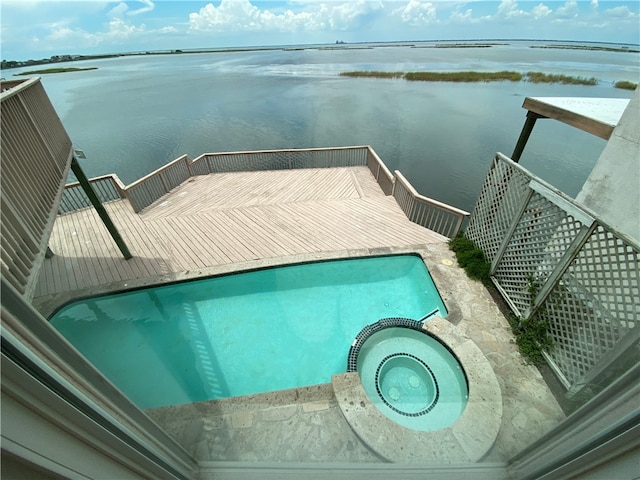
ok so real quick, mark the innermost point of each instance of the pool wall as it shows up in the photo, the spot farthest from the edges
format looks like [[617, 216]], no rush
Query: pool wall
[[48, 305]]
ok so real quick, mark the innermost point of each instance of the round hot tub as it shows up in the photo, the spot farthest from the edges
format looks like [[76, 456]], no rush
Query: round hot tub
[[409, 375]]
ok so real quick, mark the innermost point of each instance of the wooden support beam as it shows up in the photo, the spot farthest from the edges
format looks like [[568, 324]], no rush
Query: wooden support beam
[[524, 135], [97, 204]]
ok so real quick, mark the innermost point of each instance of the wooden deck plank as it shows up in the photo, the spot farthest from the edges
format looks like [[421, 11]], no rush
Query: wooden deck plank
[[261, 238], [228, 218]]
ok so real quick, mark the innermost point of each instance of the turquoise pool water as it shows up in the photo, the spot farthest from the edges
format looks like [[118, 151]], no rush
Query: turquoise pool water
[[244, 333]]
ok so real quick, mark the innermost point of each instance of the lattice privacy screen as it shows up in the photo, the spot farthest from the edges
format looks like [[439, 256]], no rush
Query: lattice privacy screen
[[497, 206], [551, 259]]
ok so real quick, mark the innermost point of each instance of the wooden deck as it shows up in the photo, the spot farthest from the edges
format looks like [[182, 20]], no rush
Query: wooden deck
[[228, 218]]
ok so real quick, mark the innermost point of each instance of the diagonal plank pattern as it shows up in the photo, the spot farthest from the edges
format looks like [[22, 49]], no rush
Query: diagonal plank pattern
[[227, 218]]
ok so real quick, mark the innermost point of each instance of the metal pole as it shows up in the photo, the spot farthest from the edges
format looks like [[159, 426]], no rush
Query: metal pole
[[524, 135], [97, 204]]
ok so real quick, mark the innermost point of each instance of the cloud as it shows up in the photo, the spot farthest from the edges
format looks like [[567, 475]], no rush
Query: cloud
[[122, 8], [242, 15], [148, 7], [540, 11], [119, 10], [460, 16], [621, 12], [568, 10], [509, 9], [417, 13]]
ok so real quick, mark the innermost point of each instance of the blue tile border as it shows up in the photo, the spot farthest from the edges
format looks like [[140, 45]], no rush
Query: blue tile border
[[424, 411], [366, 332]]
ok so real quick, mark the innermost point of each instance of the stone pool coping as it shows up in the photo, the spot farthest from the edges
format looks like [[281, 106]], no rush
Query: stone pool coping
[[467, 440]]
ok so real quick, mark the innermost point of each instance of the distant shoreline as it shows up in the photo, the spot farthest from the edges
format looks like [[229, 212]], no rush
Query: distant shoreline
[[623, 48]]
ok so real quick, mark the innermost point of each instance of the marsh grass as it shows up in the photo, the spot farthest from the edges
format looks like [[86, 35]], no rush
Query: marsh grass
[[625, 85], [470, 76], [373, 74], [539, 77], [56, 70], [464, 76]]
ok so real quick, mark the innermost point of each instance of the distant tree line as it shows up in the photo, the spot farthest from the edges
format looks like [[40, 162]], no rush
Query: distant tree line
[[53, 59]]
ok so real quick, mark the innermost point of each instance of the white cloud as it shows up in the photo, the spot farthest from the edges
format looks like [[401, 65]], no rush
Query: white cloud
[[568, 10], [346, 15], [594, 3], [540, 11], [119, 10], [621, 12], [458, 15], [148, 7], [122, 8], [242, 15], [509, 9], [417, 13]]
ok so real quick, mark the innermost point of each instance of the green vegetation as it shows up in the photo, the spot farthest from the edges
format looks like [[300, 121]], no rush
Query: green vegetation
[[464, 76], [56, 70], [539, 77], [534, 77], [374, 74], [625, 85], [532, 336], [471, 258]]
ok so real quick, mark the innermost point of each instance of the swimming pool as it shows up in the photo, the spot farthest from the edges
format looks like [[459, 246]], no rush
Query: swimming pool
[[243, 333]]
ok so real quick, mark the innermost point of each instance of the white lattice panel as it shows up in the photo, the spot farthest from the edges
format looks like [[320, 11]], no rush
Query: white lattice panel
[[596, 303], [497, 206], [543, 234]]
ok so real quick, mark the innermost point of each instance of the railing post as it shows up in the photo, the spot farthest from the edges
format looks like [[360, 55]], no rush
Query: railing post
[[106, 219], [165, 184], [188, 164]]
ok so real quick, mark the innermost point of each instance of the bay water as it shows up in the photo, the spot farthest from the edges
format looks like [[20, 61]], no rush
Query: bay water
[[133, 114]]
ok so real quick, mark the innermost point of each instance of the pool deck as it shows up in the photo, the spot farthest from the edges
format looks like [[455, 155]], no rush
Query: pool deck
[[235, 221]]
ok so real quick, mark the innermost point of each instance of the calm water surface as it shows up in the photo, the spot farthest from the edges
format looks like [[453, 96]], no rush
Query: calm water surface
[[134, 114]]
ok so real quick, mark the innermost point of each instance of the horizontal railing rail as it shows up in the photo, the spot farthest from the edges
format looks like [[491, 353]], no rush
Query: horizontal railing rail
[[434, 215], [107, 187], [424, 211], [284, 159]]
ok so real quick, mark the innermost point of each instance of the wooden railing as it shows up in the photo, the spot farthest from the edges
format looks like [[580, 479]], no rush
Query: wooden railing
[[107, 187], [148, 189], [380, 172], [434, 215], [36, 156], [283, 159], [424, 211]]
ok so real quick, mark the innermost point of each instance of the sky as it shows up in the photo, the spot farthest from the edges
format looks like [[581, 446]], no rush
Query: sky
[[33, 29]]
